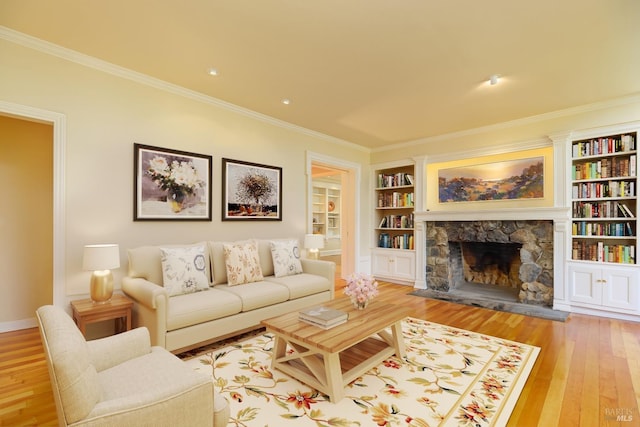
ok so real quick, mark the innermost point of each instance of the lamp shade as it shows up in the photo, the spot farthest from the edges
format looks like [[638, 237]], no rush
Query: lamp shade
[[313, 241], [101, 257]]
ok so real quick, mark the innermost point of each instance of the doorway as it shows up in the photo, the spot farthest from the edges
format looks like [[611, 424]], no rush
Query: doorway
[[26, 218], [333, 205], [55, 282]]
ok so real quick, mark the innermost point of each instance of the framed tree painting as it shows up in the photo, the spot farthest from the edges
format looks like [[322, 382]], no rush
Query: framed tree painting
[[171, 184], [251, 191]]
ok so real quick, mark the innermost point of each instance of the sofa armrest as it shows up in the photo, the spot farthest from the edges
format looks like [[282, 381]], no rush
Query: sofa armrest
[[150, 306], [143, 291], [114, 350], [326, 269]]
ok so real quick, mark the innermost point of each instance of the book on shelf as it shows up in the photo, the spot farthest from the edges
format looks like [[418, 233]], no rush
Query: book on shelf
[[323, 317]]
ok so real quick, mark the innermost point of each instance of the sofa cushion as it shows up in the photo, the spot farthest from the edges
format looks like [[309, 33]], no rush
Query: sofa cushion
[[219, 269], [242, 262], [191, 309], [286, 257], [257, 294], [266, 259], [184, 269], [301, 285], [145, 262]]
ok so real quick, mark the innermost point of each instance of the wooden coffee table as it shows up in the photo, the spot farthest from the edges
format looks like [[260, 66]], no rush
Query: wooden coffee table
[[330, 359]]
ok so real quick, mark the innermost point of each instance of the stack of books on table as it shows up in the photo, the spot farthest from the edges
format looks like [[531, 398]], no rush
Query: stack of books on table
[[323, 317]]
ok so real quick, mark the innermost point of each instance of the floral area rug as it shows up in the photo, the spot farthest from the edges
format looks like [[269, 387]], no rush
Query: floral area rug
[[449, 377]]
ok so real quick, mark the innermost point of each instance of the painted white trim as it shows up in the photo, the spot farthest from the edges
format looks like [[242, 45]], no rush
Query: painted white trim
[[18, 325], [355, 171], [59, 122], [125, 73]]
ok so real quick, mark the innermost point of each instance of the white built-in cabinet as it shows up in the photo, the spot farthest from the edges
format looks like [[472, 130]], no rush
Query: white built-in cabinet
[[394, 265], [605, 288], [393, 254], [602, 266]]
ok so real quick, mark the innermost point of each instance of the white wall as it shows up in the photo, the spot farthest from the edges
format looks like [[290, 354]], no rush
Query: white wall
[[106, 114]]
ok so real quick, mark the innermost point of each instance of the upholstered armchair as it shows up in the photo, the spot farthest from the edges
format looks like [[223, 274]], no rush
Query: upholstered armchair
[[123, 381]]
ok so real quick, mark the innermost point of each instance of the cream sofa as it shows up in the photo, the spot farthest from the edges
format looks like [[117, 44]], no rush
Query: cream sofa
[[186, 321]]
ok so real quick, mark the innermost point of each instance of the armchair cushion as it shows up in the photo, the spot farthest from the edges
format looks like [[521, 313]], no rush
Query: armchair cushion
[[149, 380]]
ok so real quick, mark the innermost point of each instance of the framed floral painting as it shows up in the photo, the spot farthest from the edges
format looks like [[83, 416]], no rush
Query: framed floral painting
[[251, 191], [171, 184]]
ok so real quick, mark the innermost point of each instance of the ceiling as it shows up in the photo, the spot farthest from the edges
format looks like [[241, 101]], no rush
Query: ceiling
[[371, 72]]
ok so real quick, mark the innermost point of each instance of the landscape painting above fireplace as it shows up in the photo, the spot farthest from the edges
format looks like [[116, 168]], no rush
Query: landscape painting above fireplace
[[504, 180]]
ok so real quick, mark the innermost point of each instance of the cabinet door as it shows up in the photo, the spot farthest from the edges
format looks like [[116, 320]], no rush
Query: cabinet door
[[383, 263], [586, 284], [620, 289], [405, 265]]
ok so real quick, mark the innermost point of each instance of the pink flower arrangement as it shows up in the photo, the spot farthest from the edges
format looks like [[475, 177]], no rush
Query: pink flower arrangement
[[361, 288]]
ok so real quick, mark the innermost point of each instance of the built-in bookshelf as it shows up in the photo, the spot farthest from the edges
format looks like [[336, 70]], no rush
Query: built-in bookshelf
[[326, 207], [393, 254], [604, 199], [394, 209]]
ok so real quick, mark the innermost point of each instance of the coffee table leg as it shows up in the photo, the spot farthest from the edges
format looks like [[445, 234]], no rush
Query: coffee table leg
[[279, 350], [333, 372], [398, 339]]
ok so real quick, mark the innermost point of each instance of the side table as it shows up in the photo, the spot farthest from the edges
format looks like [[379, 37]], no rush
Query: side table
[[86, 311]]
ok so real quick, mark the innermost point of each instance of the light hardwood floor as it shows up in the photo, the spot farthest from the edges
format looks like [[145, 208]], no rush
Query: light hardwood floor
[[587, 373]]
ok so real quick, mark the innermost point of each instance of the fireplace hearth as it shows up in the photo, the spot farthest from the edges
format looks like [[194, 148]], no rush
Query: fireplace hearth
[[501, 257]]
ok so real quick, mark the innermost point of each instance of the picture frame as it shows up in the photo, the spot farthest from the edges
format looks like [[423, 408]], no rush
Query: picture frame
[[171, 184], [251, 191]]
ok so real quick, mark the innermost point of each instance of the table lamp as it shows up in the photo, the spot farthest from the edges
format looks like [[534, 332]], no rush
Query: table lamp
[[101, 259], [313, 243]]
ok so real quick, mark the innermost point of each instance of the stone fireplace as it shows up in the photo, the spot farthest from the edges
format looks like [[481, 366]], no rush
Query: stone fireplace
[[516, 255]]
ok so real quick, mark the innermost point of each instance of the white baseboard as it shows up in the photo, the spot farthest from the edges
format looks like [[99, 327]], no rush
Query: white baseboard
[[17, 325]]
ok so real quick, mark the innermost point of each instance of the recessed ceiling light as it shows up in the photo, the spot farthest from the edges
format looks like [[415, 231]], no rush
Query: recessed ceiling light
[[212, 72], [286, 101], [493, 80]]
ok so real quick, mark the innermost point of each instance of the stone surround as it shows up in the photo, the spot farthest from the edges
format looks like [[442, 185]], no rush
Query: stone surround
[[535, 267]]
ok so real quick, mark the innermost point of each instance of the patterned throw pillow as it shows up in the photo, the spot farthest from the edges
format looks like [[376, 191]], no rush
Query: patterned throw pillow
[[286, 257], [242, 262], [183, 270]]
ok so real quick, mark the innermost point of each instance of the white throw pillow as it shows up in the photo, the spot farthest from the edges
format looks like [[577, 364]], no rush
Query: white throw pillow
[[286, 257], [184, 270], [242, 262]]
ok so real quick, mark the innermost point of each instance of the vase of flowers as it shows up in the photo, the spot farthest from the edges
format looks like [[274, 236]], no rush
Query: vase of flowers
[[361, 288], [179, 179]]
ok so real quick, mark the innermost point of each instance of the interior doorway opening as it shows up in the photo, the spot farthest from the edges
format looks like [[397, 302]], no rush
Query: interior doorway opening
[[327, 210], [333, 200]]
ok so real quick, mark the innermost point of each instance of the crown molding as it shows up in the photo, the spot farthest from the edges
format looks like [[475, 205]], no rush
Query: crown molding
[[125, 73], [595, 106]]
